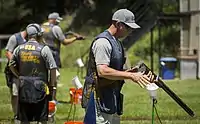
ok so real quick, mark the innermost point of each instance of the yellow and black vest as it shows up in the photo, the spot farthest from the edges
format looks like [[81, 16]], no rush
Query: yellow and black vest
[[31, 62], [51, 41]]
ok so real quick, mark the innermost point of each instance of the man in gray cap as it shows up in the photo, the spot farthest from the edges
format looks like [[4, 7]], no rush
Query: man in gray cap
[[31, 63], [12, 82], [54, 37], [56, 16], [105, 67]]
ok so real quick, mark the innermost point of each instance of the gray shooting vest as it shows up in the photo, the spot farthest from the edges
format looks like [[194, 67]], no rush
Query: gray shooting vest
[[52, 42], [108, 91]]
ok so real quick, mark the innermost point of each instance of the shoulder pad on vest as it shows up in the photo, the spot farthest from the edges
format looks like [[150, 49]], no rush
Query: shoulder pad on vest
[[104, 34], [19, 38]]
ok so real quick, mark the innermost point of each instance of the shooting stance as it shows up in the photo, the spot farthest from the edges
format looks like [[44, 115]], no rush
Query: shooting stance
[[30, 63], [53, 36], [105, 69]]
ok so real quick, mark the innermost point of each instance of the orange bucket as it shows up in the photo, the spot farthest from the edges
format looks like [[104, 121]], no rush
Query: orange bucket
[[52, 107], [73, 122], [75, 95]]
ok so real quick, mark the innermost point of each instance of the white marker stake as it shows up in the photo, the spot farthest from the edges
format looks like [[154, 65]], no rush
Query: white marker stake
[[80, 62], [76, 82]]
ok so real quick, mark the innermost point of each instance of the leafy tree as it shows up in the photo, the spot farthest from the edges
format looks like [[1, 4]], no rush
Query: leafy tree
[[11, 12]]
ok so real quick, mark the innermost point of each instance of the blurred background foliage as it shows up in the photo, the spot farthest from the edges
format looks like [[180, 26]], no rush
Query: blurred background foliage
[[90, 17]]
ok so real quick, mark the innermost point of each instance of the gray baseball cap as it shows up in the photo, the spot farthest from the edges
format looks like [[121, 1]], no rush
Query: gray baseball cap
[[125, 16], [34, 29], [56, 16]]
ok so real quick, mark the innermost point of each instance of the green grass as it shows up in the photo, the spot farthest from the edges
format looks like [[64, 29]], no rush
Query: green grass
[[137, 104]]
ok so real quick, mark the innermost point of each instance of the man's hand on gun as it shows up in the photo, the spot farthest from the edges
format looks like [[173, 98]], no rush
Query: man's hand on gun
[[78, 36], [155, 79], [140, 77], [151, 77]]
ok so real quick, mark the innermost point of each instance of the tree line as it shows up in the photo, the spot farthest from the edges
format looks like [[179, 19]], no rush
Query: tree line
[[16, 14]]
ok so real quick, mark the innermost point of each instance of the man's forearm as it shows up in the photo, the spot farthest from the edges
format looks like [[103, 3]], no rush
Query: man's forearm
[[53, 77], [112, 74], [9, 55], [53, 84], [69, 40]]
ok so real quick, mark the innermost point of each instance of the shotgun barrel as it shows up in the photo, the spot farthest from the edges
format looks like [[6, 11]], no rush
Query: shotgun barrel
[[143, 68]]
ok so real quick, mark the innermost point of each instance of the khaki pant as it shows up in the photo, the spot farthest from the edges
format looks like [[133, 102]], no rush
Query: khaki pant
[[14, 95], [15, 87]]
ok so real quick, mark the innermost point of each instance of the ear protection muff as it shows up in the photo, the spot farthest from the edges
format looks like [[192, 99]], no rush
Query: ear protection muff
[[38, 29]]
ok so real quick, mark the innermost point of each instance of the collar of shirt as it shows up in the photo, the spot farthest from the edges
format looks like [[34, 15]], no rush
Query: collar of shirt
[[33, 40]]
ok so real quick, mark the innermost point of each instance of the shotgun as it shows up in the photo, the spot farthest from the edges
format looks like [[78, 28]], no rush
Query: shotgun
[[143, 68], [80, 37]]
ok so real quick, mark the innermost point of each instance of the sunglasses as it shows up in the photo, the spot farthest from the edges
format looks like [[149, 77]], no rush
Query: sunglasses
[[127, 27]]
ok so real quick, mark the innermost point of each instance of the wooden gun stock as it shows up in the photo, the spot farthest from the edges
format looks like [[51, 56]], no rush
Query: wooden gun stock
[[143, 68]]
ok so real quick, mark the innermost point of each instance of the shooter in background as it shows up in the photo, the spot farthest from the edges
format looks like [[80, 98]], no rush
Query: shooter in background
[[54, 37], [12, 82]]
